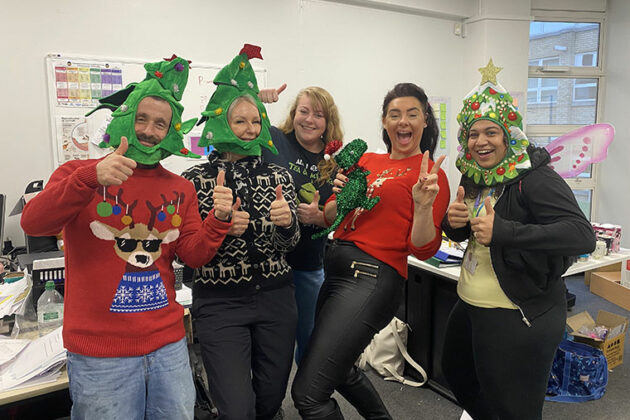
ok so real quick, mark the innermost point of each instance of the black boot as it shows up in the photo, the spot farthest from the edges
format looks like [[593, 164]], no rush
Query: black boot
[[360, 392]]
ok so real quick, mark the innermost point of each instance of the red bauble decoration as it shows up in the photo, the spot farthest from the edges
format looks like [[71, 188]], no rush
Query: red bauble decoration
[[158, 74], [501, 170], [468, 156], [475, 106], [512, 116], [492, 91], [183, 151], [520, 157]]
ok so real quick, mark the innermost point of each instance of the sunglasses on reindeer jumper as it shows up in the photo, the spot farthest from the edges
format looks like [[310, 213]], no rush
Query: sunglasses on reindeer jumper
[[128, 244]]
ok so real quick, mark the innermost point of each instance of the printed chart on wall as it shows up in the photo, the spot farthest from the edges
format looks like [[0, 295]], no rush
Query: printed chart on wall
[[441, 109], [75, 84]]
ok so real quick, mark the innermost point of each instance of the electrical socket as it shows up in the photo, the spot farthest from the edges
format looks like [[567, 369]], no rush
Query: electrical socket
[[457, 28]]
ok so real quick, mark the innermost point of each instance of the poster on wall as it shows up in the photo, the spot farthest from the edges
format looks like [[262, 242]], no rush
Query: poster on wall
[[76, 83], [441, 108], [82, 84], [74, 137]]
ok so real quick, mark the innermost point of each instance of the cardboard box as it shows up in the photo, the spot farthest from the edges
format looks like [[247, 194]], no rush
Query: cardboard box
[[608, 285], [614, 343], [606, 268]]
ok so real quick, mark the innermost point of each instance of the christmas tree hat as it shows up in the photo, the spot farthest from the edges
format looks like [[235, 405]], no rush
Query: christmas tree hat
[[235, 80], [167, 80], [490, 101]]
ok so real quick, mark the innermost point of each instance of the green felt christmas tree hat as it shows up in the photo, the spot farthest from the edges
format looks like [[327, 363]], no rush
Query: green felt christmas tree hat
[[235, 80], [490, 101], [167, 80]]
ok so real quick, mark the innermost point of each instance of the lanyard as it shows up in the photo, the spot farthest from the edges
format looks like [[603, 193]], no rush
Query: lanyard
[[479, 206]]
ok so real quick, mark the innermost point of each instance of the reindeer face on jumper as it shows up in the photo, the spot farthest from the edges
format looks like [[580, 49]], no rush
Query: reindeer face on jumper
[[138, 246]]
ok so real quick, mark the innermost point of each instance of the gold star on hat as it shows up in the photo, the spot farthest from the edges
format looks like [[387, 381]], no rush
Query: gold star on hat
[[489, 73]]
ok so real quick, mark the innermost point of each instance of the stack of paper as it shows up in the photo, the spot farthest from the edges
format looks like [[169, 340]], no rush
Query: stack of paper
[[36, 362], [449, 254], [13, 296], [183, 296]]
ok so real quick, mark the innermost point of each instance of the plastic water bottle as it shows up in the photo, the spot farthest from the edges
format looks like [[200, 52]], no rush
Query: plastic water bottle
[[49, 309]]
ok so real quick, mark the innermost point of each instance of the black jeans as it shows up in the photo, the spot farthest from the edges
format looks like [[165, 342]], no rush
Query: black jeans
[[359, 297], [496, 366], [247, 349]]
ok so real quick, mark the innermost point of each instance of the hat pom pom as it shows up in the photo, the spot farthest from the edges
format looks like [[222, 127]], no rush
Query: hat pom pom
[[326, 156]]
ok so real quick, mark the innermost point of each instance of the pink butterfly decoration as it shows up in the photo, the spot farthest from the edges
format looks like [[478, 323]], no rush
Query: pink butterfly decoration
[[573, 152]]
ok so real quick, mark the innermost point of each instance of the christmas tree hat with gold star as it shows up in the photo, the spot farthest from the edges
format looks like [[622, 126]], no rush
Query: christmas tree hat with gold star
[[235, 80], [490, 101], [167, 80]]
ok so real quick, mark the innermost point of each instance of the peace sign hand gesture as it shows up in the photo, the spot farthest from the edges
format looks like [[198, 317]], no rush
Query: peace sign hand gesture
[[426, 189]]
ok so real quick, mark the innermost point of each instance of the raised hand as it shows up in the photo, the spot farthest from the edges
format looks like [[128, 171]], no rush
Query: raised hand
[[280, 212], [240, 219], [482, 226], [115, 168], [458, 211], [426, 189], [310, 214], [271, 95], [222, 198]]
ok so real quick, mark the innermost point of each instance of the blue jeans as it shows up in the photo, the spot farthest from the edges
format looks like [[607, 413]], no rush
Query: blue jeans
[[307, 285], [158, 385]]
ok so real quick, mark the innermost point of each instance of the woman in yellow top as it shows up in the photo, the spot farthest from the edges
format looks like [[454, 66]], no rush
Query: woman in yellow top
[[523, 227]]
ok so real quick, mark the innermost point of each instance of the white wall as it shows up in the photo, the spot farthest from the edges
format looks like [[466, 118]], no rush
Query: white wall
[[356, 53], [614, 176]]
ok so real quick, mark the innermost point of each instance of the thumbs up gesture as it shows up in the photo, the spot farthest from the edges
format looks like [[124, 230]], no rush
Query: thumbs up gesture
[[115, 168], [482, 226], [240, 219], [458, 212], [310, 214], [222, 198], [271, 95], [280, 212]]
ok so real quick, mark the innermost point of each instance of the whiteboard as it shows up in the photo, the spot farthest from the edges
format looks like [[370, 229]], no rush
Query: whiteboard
[[76, 82]]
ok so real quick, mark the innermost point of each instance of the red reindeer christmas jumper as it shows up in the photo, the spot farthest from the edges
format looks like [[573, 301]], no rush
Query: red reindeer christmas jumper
[[119, 244]]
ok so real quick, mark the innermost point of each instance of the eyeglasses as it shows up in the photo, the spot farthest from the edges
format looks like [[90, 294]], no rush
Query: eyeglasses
[[128, 245]]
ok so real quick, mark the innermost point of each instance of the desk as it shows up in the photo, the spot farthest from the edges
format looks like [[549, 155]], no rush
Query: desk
[[431, 294], [33, 391], [61, 383]]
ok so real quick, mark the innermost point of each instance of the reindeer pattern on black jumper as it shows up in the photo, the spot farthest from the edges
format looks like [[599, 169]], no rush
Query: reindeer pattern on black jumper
[[141, 287]]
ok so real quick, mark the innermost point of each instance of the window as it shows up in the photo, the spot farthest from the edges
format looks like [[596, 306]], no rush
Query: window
[[565, 78], [588, 59], [541, 90], [585, 90]]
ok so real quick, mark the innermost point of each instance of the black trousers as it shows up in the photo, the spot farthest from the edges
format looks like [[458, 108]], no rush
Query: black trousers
[[359, 297], [497, 366], [247, 349]]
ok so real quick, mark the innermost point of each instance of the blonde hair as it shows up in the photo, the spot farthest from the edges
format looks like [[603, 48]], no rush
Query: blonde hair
[[321, 100]]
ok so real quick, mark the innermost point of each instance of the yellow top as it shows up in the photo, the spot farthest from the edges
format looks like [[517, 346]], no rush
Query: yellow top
[[478, 284]]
